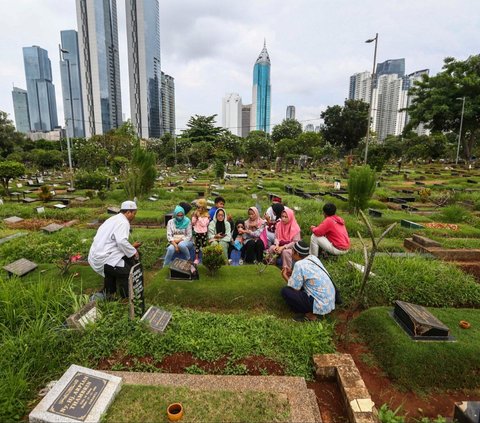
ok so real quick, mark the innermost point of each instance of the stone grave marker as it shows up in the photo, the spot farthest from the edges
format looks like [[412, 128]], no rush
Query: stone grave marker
[[53, 227], [409, 224], [81, 395], [81, 199], [419, 323], [183, 270], [60, 206], [157, 319], [254, 196], [40, 210], [152, 199], [20, 267], [89, 313], [13, 236], [467, 412], [19, 185], [337, 184], [136, 297], [13, 219], [29, 200], [375, 213]]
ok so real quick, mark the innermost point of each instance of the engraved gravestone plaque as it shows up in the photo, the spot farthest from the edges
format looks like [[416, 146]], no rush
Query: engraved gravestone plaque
[[136, 291], [183, 270], [157, 318]]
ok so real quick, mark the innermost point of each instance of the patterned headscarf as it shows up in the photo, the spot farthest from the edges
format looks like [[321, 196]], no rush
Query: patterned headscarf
[[256, 222]]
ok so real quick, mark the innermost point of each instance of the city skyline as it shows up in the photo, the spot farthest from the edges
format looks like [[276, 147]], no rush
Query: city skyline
[[208, 48]]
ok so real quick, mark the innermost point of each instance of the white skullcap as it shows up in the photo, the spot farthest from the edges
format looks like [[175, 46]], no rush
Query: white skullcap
[[128, 205]]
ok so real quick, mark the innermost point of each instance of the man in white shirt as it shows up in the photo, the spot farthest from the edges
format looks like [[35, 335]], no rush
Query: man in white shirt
[[111, 254]]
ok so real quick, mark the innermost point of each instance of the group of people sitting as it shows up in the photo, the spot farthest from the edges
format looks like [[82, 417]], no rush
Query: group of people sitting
[[274, 238]]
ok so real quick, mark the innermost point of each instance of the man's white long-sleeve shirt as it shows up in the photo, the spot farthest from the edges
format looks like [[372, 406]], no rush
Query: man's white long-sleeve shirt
[[111, 244]]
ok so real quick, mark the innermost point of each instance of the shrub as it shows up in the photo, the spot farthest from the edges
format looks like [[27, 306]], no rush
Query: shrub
[[213, 258], [91, 180], [45, 193], [361, 185], [202, 166], [454, 214], [219, 169], [140, 177]]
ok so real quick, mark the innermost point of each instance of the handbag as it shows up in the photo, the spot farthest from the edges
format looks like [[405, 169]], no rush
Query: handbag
[[338, 297]]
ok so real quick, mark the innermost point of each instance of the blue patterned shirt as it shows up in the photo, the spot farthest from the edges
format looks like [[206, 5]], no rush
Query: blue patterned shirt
[[308, 276]]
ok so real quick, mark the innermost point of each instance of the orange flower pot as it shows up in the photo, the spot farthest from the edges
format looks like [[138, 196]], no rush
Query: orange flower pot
[[464, 324], [175, 412]]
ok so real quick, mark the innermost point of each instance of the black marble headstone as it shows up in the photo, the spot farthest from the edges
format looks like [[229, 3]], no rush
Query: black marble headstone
[[419, 323], [183, 270], [467, 412], [136, 291]]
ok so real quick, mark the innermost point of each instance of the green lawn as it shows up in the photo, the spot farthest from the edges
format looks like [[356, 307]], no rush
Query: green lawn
[[137, 403], [425, 365]]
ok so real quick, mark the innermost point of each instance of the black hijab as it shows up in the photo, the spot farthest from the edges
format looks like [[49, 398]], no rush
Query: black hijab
[[278, 208], [235, 230], [220, 226]]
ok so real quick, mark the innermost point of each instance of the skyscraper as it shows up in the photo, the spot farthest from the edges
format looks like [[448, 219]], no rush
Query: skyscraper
[[71, 84], [390, 67], [246, 114], [42, 106], [168, 104], [143, 35], [360, 86], [20, 108], [261, 93], [290, 112], [99, 62], [232, 113]]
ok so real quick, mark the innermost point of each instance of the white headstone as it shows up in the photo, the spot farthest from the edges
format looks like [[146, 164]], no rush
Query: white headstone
[[40, 210]]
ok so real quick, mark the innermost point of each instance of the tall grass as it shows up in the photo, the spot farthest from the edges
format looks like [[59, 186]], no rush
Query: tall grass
[[361, 186]]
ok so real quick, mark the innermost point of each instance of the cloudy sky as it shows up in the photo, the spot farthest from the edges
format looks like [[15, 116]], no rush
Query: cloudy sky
[[210, 46]]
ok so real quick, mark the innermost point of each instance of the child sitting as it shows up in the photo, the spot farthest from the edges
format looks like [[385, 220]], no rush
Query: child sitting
[[200, 221]]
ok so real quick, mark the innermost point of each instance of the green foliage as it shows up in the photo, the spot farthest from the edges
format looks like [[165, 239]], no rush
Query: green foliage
[[361, 186], [9, 138], [289, 128], [213, 258], [95, 180], [453, 214], [10, 170], [45, 193], [345, 126], [202, 128], [386, 415], [219, 169], [46, 159], [140, 177]]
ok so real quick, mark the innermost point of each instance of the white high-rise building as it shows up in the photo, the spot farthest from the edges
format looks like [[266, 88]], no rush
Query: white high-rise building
[[100, 65], [387, 104], [232, 113], [290, 112], [143, 36], [360, 86], [168, 104]]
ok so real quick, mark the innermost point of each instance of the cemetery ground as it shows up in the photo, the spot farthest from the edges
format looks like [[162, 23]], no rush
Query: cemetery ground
[[235, 323]]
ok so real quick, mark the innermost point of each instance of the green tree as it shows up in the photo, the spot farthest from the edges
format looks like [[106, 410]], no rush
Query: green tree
[[51, 159], [307, 142], [10, 139], [90, 154], [258, 147], [289, 128], [140, 177], [361, 186], [10, 170], [345, 126], [202, 128], [436, 100]]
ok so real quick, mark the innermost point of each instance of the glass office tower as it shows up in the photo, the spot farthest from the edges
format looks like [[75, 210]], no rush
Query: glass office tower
[[20, 108], [260, 113], [99, 64], [143, 35], [71, 84], [42, 106]]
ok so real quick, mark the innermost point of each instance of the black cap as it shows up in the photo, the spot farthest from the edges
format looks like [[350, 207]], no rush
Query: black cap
[[302, 248]]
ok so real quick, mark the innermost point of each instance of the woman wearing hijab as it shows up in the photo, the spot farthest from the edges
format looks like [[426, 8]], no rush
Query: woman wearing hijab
[[287, 233], [254, 246], [219, 231], [272, 216], [179, 236]]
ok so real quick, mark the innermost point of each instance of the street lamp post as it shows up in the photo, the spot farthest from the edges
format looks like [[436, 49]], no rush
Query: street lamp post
[[69, 151], [461, 126], [367, 138]]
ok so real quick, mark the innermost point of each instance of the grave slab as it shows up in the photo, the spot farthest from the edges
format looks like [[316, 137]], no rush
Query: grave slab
[[13, 219], [89, 313], [426, 242], [409, 224], [467, 412], [81, 395], [20, 267], [60, 206], [13, 236], [157, 319], [53, 227], [183, 270]]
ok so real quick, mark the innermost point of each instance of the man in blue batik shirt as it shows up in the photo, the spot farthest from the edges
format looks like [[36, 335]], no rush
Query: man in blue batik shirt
[[309, 289]]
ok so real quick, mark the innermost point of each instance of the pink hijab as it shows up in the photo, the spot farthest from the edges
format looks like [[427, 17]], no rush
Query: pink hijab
[[286, 232], [257, 221]]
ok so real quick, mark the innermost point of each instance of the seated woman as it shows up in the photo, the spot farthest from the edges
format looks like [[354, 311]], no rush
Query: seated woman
[[219, 231], [254, 246], [236, 245], [179, 235], [272, 216], [287, 233]]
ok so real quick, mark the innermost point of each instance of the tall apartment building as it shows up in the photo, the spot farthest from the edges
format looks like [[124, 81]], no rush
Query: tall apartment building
[[71, 84], [391, 67], [232, 113], [387, 105], [360, 86], [261, 92], [99, 64], [143, 36], [246, 119], [42, 105], [290, 112], [168, 104], [20, 108]]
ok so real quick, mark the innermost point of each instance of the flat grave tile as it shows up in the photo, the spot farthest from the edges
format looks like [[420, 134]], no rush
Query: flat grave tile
[[29, 200], [157, 319], [409, 224], [53, 227], [81, 199], [13, 219], [89, 313], [20, 267], [60, 206], [81, 395], [13, 236]]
